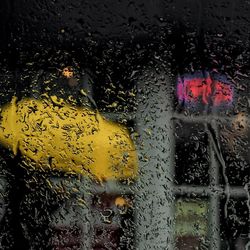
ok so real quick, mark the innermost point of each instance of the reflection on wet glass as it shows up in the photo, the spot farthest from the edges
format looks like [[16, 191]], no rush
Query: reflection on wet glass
[[125, 125]]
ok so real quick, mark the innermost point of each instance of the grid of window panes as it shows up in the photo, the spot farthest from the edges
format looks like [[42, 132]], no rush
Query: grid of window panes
[[211, 171]]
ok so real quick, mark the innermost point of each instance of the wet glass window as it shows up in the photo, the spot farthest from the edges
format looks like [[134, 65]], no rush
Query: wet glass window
[[124, 125]]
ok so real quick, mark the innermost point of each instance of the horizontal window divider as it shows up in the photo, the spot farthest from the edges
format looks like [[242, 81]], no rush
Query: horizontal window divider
[[233, 191]]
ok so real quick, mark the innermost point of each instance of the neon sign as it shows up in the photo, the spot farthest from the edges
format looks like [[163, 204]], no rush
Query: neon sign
[[204, 88]]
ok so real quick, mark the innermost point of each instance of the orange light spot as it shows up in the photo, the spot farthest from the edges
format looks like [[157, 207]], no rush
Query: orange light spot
[[68, 72], [240, 123], [121, 202]]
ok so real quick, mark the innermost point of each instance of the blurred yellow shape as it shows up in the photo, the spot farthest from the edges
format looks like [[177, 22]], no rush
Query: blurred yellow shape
[[53, 135]]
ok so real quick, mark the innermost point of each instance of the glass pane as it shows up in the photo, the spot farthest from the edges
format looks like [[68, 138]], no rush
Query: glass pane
[[124, 124], [191, 223], [234, 212], [191, 154]]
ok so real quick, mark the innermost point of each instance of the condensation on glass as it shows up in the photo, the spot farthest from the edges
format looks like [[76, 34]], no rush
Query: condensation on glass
[[125, 126]]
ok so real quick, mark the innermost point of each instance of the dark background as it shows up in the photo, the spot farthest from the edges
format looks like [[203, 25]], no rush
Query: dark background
[[191, 27], [27, 23], [115, 39]]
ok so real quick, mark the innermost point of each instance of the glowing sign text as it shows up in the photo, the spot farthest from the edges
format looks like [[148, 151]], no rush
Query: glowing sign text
[[203, 88]]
